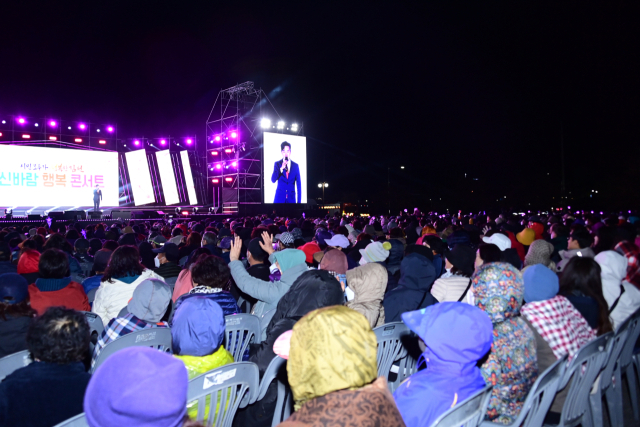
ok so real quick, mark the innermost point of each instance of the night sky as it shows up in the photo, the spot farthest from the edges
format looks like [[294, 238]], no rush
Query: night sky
[[486, 89]]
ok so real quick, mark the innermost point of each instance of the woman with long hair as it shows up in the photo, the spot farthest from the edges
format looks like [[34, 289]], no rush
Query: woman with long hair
[[123, 274], [581, 283]]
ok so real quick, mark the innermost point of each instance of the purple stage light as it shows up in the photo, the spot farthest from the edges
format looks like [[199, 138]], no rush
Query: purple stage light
[[136, 142], [109, 128], [218, 166], [21, 120], [234, 164], [234, 134], [52, 123], [82, 126], [189, 141], [162, 141], [217, 138]]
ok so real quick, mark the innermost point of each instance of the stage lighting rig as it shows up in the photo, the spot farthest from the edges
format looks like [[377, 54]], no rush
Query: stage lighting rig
[[265, 123], [280, 125]]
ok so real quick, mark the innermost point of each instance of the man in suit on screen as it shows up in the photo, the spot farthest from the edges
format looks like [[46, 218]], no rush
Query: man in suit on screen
[[286, 173]]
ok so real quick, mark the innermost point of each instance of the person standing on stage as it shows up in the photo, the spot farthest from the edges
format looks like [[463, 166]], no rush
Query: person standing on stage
[[286, 172], [97, 196]]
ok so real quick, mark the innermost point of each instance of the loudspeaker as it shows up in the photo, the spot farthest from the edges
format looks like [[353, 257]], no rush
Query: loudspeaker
[[120, 214], [34, 217], [145, 214], [75, 215], [56, 215], [95, 215]]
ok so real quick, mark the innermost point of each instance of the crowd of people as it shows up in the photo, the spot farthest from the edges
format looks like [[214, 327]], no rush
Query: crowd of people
[[492, 299]]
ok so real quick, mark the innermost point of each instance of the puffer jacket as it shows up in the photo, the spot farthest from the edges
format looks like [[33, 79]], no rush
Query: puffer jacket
[[224, 299], [613, 273], [112, 297], [267, 293], [416, 278], [511, 367], [312, 290], [368, 283]]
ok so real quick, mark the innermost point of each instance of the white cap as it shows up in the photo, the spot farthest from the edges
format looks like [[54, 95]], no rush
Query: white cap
[[498, 239], [338, 241]]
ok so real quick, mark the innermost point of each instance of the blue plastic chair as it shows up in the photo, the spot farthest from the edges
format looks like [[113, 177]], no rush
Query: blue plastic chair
[[230, 387], [241, 330], [540, 397], [468, 413], [13, 362]]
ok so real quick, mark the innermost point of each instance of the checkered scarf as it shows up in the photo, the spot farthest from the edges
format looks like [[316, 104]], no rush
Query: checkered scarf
[[559, 324], [632, 253]]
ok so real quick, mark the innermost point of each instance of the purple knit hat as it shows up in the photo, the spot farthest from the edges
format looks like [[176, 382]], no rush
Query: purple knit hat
[[137, 386]]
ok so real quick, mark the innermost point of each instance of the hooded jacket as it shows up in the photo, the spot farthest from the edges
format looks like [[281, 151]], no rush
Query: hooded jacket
[[613, 273], [565, 256], [313, 289], [451, 374], [368, 283], [511, 367], [416, 278], [395, 256], [292, 264]]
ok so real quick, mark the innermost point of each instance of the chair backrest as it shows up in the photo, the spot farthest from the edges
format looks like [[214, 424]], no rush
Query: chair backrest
[[616, 345], [626, 355], [78, 421], [241, 329], [91, 295], [13, 362], [226, 388], [171, 282], [158, 338], [392, 346], [95, 322], [244, 305], [284, 403], [265, 319], [86, 268], [468, 413], [541, 395], [582, 372]]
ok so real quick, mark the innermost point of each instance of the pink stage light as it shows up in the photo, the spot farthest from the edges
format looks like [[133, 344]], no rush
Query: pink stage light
[[162, 141], [102, 141], [214, 153], [109, 128], [26, 136], [217, 138], [78, 140], [136, 142], [218, 166], [234, 134], [228, 179], [189, 141], [82, 126], [21, 120], [215, 180], [234, 164], [228, 150], [53, 123], [53, 138]]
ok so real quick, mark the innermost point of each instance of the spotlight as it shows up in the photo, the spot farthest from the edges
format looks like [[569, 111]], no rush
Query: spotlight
[[52, 123], [218, 166], [217, 138], [189, 141], [102, 141], [69, 128], [280, 125], [82, 126], [109, 129], [215, 180], [163, 141], [228, 179], [4, 122], [98, 130], [26, 136], [294, 127], [228, 150], [36, 125], [136, 142], [53, 138], [78, 140], [214, 153], [234, 134], [21, 120], [177, 211], [234, 164], [265, 123]]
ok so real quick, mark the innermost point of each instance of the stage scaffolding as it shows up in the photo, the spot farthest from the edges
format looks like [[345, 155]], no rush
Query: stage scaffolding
[[238, 109]]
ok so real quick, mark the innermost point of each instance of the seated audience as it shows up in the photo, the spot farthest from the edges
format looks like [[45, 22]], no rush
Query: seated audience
[[368, 283], [16, 313], [51, 388], [55, 287], [335, 262], [146, 309], [452, 373], [80, 250], [332, 370], [454, 284], [6, 266], [486, 253], [28, 265], [123, 274], [167, 261], [622, 297], [580, 241], [511, 367], [184, 283], [100, 262], [539, 252]]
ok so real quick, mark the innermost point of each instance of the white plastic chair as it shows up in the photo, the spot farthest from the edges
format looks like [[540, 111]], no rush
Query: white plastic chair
[[78, 421], [230, 387], [158, 338], [392, 340], [241, 329], [13, 362], [626, 364], [284, 403], [468, 413]]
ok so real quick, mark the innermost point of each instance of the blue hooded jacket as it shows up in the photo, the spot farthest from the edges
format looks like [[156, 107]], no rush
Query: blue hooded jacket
[[457, 335], [416, 278]]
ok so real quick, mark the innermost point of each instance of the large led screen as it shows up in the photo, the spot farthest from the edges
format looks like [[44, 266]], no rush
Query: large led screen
[[285, 168], [188, 177], [140, 178], [167, 177], [35, 176]]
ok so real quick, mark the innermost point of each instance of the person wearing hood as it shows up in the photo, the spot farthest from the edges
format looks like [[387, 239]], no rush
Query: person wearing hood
[[396, 252], [313, 289], [335, 262], [416, 278], [511, 368], [622, 297], [559, 328], [16, 314], [332, 371], [454, 284], [456, 336], [579, 244], [145, 311], [28, 265], [290, 262], [198, 331], [368, 283]]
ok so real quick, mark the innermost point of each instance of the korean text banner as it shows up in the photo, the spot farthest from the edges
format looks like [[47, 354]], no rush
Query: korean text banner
[[36, 176]]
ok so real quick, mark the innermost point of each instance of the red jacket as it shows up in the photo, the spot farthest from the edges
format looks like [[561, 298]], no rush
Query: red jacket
[[71, 296], [28, 262]]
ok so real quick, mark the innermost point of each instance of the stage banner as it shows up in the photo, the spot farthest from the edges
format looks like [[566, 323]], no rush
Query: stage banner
[[188, 177], [37, 176], [140, 177], [284, 168], [167, 177]]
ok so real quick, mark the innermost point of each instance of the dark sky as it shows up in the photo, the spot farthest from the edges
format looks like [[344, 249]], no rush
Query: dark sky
[[482, 88]]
